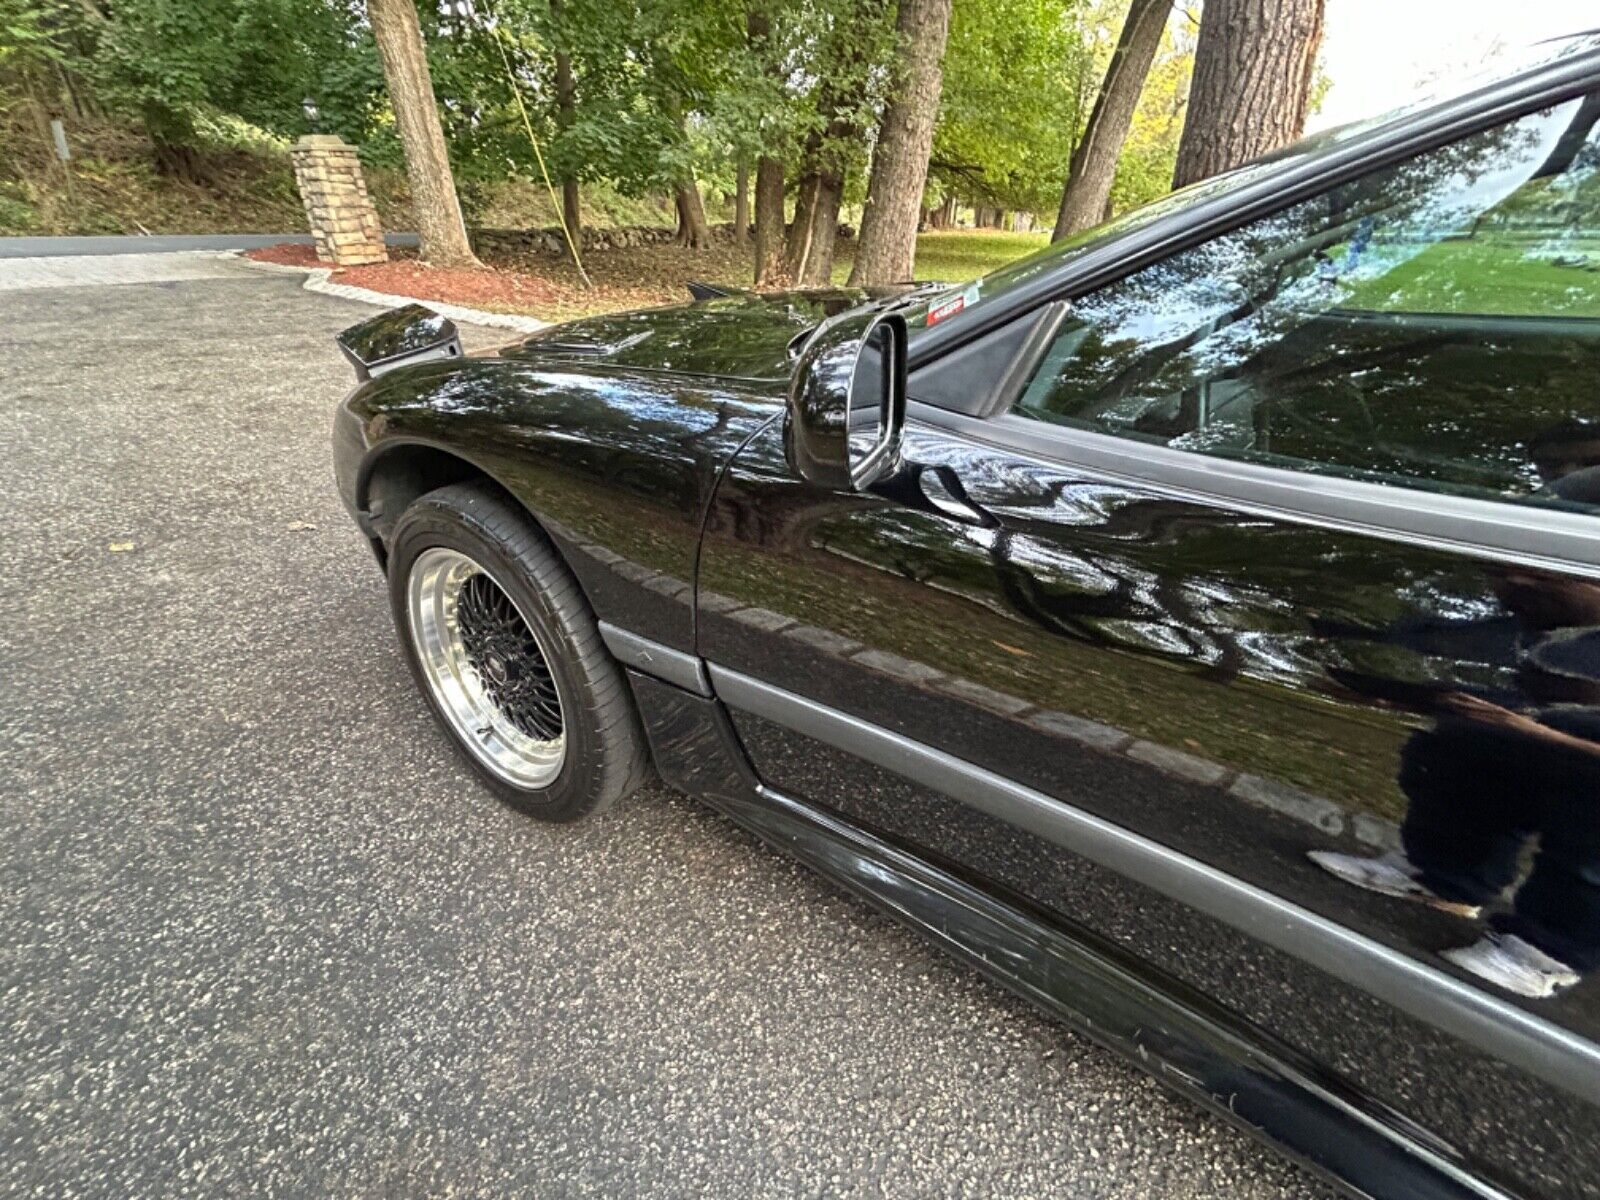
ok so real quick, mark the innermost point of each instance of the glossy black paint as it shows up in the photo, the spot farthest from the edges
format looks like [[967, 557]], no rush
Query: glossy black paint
[[617, 464], [408, 334], [1176, 1033], [1238, 683], [853, 361], [746, 336], [1219, 682]]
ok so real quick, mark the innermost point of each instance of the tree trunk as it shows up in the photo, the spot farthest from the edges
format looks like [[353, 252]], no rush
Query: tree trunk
[[1094, 160], [769, 221], [433, 188], [798, 249], [566, 113], [888, 248], [692, 228], [808, 257], [1253, 65], [572, 210], [741, 202]]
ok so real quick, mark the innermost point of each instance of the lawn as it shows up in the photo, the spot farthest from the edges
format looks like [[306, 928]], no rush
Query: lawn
[[640, 276], [961, 255], [1484, 276]]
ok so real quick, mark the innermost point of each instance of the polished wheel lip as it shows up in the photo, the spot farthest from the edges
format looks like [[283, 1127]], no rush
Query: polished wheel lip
[[433, 587]]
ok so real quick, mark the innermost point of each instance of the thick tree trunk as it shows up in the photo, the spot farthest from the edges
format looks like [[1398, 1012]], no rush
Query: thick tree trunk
[[566, 113], [741, 202], [1252, 81], [769, 221], [888, 246], [692, 228], [808, 255], [798, 248], [1094, 160], [433, 188]]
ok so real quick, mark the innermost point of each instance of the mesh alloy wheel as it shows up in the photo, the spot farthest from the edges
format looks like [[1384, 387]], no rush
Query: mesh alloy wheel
[[486, 668]]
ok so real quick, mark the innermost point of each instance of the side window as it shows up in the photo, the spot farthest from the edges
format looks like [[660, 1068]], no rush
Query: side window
[[1435, 324]]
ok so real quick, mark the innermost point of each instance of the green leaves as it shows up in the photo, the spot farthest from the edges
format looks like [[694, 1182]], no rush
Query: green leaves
[[664, 90]]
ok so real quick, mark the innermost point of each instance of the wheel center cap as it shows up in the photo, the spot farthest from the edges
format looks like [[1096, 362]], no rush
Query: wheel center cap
[[495, 668]]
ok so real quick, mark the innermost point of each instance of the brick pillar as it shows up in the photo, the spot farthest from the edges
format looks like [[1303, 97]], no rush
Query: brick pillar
[[335, 195]]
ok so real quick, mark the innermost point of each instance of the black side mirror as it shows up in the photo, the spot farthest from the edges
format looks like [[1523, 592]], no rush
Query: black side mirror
[[854, 366], [399, 338]]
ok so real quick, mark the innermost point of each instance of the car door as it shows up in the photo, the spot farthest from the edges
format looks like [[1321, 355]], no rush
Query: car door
[[1284, 566]]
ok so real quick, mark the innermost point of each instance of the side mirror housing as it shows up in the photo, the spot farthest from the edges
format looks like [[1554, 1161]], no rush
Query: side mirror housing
[[853, 366], [412, 334]]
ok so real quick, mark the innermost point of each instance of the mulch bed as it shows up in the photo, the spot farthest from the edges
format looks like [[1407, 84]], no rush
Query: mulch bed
[[403, 275]]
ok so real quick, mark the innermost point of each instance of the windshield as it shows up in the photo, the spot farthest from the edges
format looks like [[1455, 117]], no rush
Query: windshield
[[1051, 257]]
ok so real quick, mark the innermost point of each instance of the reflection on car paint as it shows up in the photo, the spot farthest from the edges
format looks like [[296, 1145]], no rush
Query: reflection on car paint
[[1185, 671]]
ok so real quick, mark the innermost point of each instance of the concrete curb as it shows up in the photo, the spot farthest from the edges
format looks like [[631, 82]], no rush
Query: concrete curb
[[318, 279]]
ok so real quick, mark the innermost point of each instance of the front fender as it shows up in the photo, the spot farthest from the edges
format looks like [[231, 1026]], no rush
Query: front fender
[[617, 466]]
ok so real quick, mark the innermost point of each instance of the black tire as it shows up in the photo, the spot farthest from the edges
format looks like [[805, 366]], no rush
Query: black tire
[[605, 755]]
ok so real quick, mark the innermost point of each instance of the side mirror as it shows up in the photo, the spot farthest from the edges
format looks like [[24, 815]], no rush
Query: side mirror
[[412, 334], [854, 366]]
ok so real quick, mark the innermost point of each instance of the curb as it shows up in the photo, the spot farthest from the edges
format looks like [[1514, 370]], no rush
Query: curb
[[318, 279]]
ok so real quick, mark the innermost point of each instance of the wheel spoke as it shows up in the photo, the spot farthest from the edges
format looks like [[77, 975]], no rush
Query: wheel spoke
[[486, 667]]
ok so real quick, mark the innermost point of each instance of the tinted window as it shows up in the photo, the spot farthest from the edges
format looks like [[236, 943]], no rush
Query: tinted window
[[1433, 324]]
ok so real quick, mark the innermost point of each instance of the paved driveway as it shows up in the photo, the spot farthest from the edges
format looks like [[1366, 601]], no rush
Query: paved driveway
[[263, 934]]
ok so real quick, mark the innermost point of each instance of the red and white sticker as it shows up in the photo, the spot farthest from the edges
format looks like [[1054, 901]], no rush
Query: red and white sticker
[[943, 310]]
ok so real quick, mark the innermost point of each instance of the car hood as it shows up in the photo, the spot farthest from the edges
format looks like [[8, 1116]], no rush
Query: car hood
[[744, 335]]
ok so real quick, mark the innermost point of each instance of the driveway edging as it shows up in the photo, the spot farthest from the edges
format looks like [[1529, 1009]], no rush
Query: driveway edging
[[319, 279]]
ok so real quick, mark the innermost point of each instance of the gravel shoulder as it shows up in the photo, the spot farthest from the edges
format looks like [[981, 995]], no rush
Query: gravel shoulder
[[263, 933]]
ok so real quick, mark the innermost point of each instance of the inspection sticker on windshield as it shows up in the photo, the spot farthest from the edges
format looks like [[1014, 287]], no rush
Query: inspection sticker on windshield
[[942, 309]]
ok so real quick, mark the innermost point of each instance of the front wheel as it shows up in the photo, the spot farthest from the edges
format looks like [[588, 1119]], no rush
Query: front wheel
[[504, 646]]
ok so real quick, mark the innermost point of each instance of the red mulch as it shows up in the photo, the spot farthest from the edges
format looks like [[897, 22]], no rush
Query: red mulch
[[403, 275]]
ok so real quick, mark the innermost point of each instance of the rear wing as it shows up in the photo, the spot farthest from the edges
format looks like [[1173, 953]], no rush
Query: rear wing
[[412, 334]]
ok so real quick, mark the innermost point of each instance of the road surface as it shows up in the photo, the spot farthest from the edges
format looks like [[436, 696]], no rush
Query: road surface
[[265, 935]]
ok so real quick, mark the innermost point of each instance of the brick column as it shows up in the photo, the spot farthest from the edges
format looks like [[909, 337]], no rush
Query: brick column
[[335, 195]]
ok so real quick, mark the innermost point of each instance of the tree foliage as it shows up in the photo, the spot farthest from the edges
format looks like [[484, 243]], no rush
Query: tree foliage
[[666, 94]]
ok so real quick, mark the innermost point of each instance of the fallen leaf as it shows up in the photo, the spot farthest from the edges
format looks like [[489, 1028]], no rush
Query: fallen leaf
[[1020, 653], [119, 547]]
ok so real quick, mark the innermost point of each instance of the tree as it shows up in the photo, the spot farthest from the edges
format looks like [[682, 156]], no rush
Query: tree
[[741, 200], [1094, 161], [769, 220], [433, 188], [1009, 105], [849, 50], [693, 230], [1253, 71], [765, 133], [566, 112], [905, 138]]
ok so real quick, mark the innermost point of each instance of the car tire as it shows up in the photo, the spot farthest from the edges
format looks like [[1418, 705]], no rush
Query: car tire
[[467, 651]]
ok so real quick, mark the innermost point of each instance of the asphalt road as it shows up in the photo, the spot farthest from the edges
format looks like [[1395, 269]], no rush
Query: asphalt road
[[160, 243], [263, 933]]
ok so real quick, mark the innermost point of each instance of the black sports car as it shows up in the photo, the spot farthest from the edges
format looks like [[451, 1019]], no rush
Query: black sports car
[[1195, 626]]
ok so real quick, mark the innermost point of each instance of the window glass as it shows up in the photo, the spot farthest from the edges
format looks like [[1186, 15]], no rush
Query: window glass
[[1433, 324]]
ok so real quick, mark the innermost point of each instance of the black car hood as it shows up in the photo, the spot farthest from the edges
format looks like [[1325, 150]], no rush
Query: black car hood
[[744, 336]]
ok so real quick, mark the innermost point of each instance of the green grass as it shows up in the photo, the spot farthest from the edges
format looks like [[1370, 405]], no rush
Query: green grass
[[1485, 275], [957, 256]]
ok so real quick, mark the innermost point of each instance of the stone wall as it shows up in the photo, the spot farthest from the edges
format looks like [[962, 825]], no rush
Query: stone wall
[[343, 220]]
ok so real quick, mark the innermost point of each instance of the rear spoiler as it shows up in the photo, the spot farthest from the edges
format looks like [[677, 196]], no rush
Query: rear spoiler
[[700, 290], [412, 334]]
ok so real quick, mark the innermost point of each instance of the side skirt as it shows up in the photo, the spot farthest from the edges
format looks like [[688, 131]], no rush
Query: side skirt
[[1164, 1027]]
